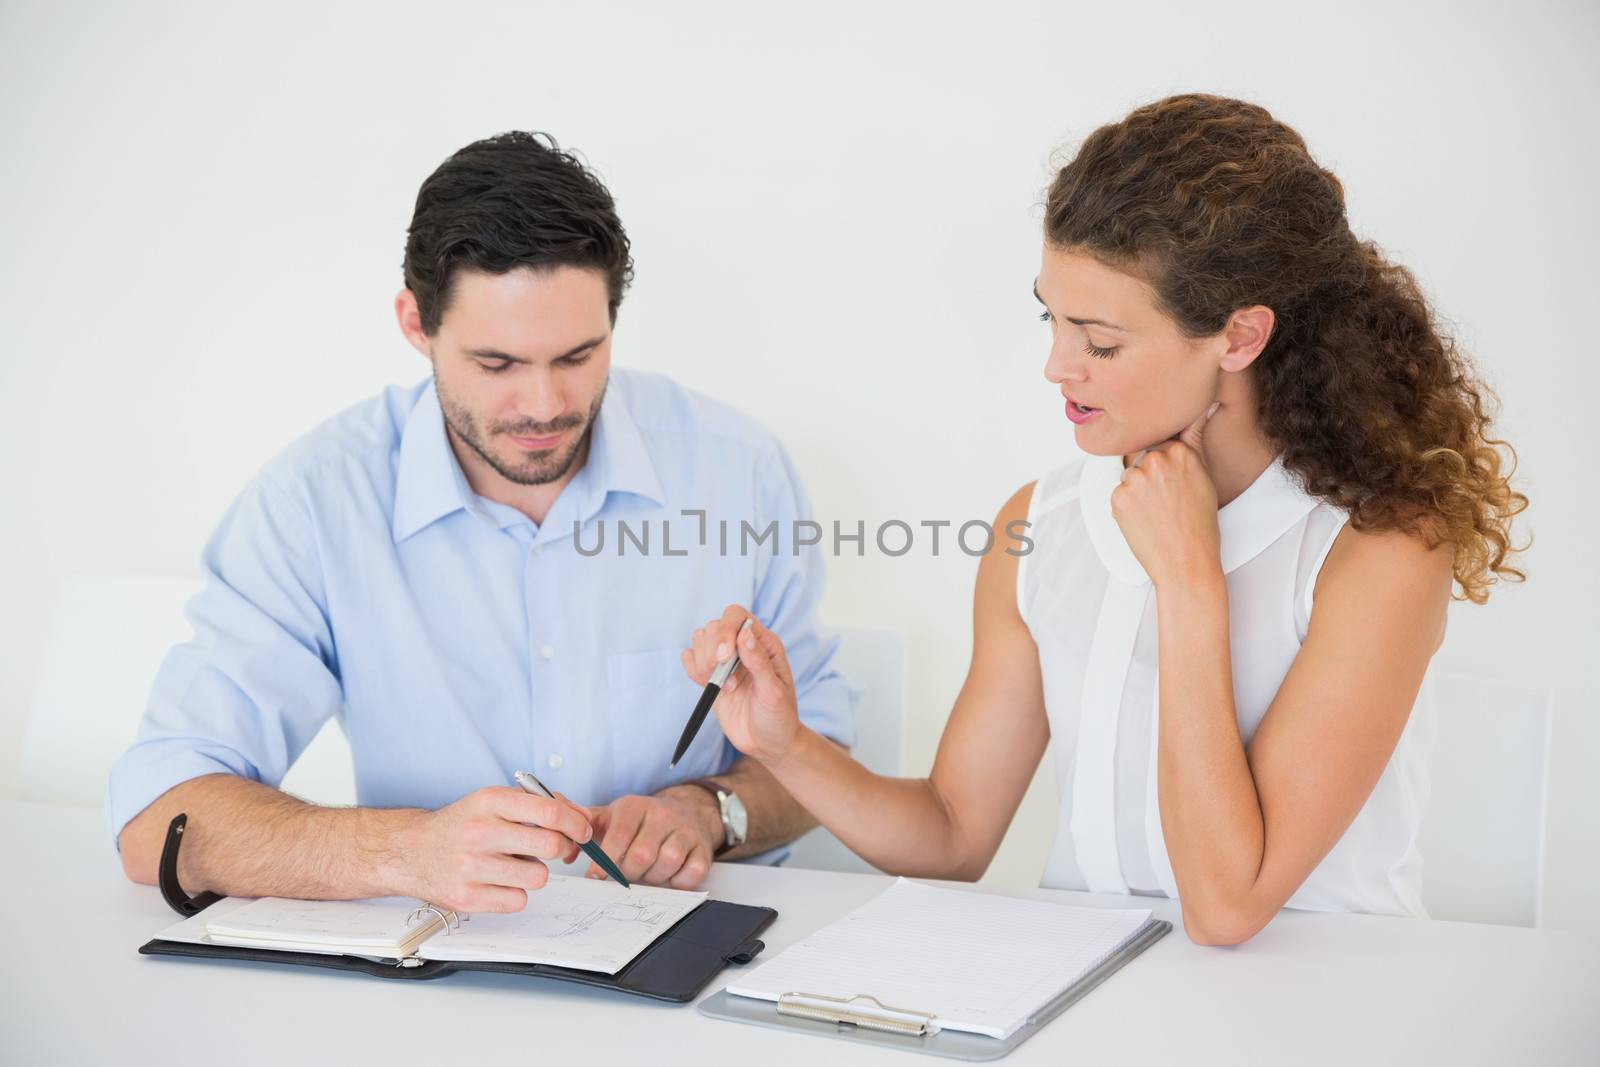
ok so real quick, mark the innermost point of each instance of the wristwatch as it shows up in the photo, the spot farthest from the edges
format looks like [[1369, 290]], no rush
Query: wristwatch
[[735, 820]]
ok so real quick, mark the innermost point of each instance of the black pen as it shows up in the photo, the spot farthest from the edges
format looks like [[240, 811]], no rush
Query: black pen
[[528, 782], [719, 678]]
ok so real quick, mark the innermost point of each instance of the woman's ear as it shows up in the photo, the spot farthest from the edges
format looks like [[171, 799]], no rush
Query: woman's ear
[[1247, 333]]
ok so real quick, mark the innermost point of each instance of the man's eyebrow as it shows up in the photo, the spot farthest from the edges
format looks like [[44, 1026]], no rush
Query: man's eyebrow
[[1079, 322], [495, 353]]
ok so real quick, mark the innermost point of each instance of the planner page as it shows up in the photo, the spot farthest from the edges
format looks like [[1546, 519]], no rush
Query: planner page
[[583, 923], [378, 927], [974, 962]]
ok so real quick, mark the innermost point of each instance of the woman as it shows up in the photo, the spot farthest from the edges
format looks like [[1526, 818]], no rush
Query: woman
[[1288, 470]]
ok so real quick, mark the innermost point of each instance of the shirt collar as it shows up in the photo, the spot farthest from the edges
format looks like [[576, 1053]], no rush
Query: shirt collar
[[619, 461], [1248, 523], [429, 483]]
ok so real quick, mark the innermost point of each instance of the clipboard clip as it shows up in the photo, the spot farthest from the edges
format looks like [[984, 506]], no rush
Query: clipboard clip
[[861, 1010]]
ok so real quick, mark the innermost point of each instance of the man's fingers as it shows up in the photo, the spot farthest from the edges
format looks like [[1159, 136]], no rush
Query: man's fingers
[[626, 818], [694, 869], [674, 851], [515, 872], [494, 898], [564, 818], [642, 852], [519, 839]]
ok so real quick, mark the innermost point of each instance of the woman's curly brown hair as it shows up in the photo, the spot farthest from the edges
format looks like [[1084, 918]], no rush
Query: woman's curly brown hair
[[1216, 205]]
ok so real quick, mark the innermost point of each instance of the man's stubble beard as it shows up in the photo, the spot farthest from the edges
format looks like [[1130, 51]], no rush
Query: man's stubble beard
[[533, 472]]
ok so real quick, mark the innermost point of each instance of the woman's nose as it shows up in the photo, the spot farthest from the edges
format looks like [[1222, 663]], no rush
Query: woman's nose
[[1062, 366]]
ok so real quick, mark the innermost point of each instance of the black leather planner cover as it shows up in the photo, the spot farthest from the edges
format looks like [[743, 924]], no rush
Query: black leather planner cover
[[676, 967]]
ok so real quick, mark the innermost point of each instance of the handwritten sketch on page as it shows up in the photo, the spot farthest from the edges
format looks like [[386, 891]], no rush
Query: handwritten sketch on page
[[572, 922]]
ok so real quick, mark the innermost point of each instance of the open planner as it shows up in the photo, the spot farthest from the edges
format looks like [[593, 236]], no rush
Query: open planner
[[655, 942], [944, 971], [571, 922]]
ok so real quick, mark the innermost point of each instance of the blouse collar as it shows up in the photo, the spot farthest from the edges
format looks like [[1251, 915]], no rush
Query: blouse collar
[[1248, 523]]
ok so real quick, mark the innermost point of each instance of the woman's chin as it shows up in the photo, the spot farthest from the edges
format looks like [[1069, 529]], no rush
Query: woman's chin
[[1089, 440]]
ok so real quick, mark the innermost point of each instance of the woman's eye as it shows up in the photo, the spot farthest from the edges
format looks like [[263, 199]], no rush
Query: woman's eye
[[1100, 353]]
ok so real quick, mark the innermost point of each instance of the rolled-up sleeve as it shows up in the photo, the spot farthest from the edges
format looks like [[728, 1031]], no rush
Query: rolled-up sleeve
[[259, 678], [788, 592]]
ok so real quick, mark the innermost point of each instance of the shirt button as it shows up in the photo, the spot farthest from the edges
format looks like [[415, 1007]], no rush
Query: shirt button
[[555, 761], [538, 549], [547, 652]]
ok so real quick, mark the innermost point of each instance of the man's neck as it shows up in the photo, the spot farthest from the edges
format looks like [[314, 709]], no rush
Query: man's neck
[[534, 501]]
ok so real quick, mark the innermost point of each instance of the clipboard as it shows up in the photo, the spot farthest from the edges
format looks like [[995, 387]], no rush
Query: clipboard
[[676, 967], [907, 1029]]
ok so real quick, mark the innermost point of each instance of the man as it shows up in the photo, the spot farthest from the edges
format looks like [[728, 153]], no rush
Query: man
[[424, 566]]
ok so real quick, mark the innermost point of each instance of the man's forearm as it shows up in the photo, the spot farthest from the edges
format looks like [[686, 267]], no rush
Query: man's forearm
[[248, 839], [776, 818]]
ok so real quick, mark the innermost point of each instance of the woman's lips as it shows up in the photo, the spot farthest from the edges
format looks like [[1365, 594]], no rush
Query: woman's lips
[[1080, 415]]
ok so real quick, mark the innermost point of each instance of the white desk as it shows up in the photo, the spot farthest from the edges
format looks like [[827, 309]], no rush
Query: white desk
[[1343, 989]]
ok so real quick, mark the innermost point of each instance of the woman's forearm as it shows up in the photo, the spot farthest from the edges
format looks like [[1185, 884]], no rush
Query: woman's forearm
[[1210, 815], [899, 825]]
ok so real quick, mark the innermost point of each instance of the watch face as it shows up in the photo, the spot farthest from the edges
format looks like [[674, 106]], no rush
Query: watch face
[[738, 818]]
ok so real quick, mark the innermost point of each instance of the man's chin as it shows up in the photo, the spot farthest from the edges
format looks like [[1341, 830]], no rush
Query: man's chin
[[531, 473], [541, 470]]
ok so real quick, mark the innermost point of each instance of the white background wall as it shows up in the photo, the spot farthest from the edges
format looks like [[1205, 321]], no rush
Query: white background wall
[[835, 214]]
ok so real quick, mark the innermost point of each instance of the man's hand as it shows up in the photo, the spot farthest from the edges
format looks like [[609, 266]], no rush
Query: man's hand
[[483, 853], [667, 839]]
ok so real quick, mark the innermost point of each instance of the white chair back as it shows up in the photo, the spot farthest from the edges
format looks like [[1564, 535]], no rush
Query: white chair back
[[1482, 836], [872, 658], [107, 638]]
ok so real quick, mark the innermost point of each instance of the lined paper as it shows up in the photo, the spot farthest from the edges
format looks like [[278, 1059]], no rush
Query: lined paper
[[975, 962]]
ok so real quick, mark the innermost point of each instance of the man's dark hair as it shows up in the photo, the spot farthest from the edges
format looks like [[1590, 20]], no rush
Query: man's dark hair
[[508, 201]]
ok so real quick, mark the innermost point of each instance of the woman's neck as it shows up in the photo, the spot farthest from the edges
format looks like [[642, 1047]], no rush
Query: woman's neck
[[1235, 450]]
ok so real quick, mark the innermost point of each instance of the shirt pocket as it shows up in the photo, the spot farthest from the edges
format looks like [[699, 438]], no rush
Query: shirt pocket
[[648, 701]]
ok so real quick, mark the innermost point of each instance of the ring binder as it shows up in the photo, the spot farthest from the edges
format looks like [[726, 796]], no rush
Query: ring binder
[[444, 915], [843, 1011]]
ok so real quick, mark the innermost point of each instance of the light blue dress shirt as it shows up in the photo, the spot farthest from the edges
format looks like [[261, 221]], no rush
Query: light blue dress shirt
[[360, 576]]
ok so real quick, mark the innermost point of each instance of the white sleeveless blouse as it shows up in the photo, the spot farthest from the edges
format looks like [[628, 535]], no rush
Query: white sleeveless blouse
[[1091, 610]]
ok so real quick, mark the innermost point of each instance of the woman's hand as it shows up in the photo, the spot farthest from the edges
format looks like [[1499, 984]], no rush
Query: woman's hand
[[1166, 507], [757, 706]]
